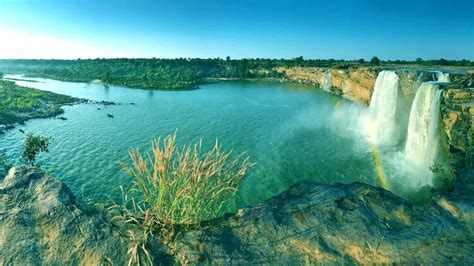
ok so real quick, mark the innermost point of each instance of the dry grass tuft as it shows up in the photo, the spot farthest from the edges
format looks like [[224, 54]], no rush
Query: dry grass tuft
[[175, 187]]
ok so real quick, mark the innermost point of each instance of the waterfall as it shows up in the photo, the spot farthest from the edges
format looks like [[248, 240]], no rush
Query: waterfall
[[441, 77], [327, 80], [423, 136], [382, 122]]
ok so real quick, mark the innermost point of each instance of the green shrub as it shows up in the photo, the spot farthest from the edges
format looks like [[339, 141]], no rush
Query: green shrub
[[175, 187], [33, 146], [5, 163], [442, 175]]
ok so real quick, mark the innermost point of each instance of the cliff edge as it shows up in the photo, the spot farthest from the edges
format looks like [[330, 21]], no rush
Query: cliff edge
[[41, 222]]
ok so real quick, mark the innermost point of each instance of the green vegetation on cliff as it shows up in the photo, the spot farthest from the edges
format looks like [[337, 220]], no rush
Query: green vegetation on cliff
[[21, 103]]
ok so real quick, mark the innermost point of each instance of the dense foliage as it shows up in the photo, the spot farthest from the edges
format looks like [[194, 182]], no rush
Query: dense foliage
[[184, 73], [33, 146], [17, 103]]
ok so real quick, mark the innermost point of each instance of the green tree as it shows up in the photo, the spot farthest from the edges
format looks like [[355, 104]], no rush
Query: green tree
[[443, 62], [419, 61], [33, 146], [375, 61], [298, 61]]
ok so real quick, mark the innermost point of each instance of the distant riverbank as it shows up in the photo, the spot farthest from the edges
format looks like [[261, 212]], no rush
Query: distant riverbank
[[19, 104]]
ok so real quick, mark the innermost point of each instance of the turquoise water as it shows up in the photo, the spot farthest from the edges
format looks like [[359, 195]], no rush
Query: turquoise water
[[292, 132]]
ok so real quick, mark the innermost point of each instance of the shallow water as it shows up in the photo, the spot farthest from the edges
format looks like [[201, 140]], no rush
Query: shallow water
[[293, 132]]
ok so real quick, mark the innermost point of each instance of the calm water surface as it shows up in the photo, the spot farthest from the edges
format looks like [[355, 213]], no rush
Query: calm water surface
[[293, 132]]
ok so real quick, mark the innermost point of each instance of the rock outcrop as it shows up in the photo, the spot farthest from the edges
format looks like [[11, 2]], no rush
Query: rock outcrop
[[457, 111], [41, 223], [336, 224]]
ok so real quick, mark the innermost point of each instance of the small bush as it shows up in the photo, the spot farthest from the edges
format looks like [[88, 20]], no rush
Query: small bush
[[33, 146], [5, 163], [177, 187], [442, 175]]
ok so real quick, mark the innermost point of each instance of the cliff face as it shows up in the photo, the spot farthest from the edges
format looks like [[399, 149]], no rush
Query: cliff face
[[355, 84], [41, 223], [457, 113]]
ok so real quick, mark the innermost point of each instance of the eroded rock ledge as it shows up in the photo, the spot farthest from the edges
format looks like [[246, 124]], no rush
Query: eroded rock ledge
[[41, 222]]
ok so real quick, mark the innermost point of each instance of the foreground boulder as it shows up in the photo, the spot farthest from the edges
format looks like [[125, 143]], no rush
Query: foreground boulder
[[41, 223]]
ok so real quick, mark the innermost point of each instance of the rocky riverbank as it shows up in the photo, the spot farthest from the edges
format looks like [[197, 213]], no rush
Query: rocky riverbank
[[41, 222]]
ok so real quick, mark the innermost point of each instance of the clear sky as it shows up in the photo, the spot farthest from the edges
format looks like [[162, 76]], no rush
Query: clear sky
[[347, 29]]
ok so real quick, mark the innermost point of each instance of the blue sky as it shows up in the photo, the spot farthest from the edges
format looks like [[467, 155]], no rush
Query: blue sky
[[349, 29]]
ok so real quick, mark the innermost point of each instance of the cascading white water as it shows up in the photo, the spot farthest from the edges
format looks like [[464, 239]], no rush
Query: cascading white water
[[327, 80], [442, 77], [382, 120], [423, 136]]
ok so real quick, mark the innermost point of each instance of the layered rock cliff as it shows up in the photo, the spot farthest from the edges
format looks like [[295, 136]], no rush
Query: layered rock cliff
[[457, 111], [41, 223]]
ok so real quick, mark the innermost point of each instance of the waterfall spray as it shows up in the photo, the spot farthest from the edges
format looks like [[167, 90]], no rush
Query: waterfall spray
[[327, 80], [383, 109], [441, 77], [423, 136]]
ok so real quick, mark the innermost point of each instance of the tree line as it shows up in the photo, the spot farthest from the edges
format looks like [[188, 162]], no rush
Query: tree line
[[182, 73]]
